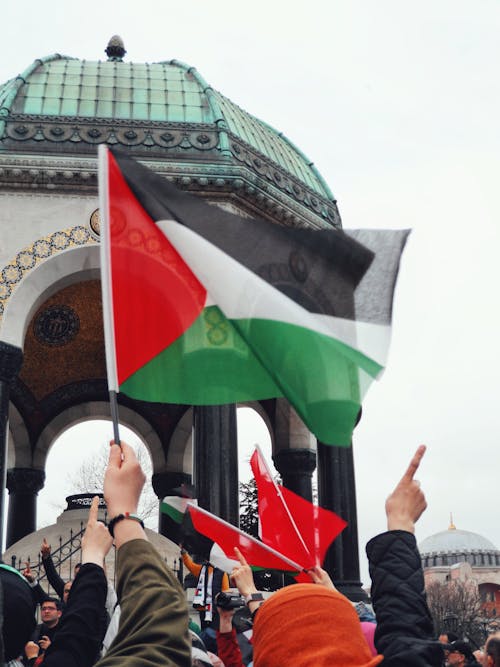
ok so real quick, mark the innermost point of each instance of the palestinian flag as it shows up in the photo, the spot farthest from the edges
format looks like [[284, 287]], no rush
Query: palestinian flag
[[213, 538], [204, 307]]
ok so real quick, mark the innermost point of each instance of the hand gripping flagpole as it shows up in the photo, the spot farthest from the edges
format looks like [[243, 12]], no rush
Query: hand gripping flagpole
[[107, 293]]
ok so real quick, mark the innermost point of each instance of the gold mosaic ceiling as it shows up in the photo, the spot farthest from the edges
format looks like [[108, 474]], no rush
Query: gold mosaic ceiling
[[65, 340]]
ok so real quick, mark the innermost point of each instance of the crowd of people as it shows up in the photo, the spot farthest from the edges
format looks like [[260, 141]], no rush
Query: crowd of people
[[146, 623]]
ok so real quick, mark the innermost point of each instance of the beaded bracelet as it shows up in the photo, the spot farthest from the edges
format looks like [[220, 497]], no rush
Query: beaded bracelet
[[121, 517]]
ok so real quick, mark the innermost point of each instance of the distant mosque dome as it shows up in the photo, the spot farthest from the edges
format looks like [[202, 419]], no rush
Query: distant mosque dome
[[454, 546]]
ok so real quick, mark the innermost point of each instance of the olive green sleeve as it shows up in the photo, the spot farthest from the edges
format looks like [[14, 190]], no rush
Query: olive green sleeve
[[153, 626]]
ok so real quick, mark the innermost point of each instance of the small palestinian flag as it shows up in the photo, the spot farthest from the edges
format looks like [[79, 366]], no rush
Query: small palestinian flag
[[204, 307]]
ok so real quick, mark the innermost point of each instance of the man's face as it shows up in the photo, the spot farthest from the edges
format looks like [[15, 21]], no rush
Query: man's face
[[50, 614], [66, 590], [455, 658]]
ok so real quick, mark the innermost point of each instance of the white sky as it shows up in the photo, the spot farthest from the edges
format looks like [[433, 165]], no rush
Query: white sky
[[398, 105]]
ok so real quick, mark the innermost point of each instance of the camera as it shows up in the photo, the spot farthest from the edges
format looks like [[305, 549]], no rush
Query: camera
[[228, 601]]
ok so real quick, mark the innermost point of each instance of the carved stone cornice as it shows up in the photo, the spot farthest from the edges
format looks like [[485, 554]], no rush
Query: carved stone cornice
[[255, 193], [25, 480], [183, 150]]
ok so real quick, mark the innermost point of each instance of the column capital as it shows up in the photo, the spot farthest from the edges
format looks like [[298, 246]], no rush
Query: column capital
[[25, 480], [168, 483], [295, 461], [11, 359]]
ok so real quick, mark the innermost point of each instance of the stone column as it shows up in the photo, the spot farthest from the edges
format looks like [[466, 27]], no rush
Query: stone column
[[11, 359], [337, 492], [24, 485], [215, 460], [296, 467], [168, 484]]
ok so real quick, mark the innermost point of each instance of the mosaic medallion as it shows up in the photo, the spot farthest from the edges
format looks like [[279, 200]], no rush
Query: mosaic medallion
[[56, 325]]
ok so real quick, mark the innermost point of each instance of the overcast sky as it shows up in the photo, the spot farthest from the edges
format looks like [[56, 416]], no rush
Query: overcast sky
[[398, 105]]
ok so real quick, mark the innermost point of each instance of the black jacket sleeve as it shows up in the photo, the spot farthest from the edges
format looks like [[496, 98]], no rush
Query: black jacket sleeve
[[404, 623], [80, 630], [54, 579]]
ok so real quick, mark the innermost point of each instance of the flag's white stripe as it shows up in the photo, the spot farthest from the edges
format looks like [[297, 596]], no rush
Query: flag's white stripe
[[220, 560], [106, 283], [240, 293]]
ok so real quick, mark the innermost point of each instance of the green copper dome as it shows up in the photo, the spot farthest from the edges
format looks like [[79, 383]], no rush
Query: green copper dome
[[156, 108]]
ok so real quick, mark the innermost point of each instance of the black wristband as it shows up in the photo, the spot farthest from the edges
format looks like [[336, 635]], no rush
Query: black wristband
[[121, 517]]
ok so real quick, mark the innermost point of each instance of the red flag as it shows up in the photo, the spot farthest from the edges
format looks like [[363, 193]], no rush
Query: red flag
[[289, 523], [227, 537]]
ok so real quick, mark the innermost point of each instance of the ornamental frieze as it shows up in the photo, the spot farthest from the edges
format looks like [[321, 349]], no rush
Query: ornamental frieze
[[27, 258], [187, 136]]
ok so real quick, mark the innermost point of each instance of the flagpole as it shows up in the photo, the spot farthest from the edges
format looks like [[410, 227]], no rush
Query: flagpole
[[113, 404], [107, 295]]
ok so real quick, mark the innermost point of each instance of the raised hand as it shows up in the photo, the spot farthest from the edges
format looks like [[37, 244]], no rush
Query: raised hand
[[242, 575], [96, 541], [407, 502], [123, 480], [28, 574], [320, 576], [45, 549]]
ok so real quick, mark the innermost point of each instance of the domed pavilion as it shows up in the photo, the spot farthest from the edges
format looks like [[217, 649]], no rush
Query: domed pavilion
[[52, 370]]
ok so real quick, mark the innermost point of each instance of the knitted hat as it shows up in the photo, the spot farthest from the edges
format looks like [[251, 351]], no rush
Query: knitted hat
[[307, 624]]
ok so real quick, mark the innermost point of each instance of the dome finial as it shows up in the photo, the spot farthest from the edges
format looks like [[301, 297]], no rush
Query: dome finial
[[115, 49], [452, 525]]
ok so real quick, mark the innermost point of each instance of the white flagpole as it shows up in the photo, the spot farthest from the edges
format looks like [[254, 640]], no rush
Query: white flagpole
[[107, 294]]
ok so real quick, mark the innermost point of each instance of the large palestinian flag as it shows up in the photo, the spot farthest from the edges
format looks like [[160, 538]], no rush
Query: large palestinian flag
[[204, 307]]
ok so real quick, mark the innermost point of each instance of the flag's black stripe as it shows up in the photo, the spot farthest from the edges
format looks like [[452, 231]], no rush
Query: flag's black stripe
[[319, 269]]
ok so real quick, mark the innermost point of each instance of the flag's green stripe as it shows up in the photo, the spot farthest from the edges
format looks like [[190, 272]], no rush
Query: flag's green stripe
[[211, 364], [172, 512]]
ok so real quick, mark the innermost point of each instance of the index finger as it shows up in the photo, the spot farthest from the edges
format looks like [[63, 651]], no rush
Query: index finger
[[414, 464], [240, 556], [94, 508]]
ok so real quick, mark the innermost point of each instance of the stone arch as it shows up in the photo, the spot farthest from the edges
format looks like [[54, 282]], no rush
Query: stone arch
[[180, 448], [92, 411], [18, 443], [37, 272]]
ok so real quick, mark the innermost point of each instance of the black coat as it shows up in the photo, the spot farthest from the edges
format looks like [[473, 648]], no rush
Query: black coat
[[404, 623]]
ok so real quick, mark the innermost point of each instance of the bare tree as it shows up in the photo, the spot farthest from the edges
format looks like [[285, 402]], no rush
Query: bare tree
[[90, 476], [456, 605]]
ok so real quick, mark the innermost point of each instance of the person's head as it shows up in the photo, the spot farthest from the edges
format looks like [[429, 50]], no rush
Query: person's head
[[447, 637], [459, 653], [492, 651], [66, 590], [320, 625], [18, 612], [50, 612]]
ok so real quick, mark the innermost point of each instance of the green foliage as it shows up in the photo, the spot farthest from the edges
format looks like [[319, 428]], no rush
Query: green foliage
[[249, 514]]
